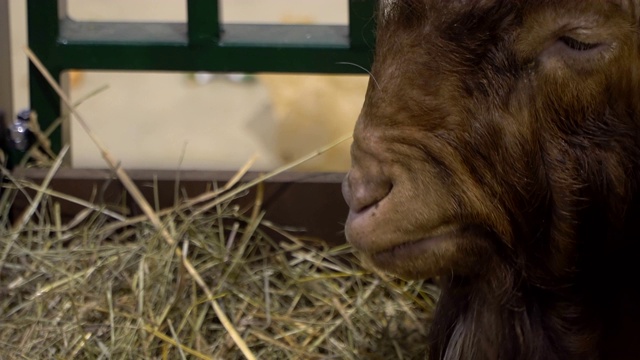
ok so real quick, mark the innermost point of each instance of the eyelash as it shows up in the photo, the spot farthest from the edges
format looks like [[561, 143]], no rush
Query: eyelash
[[577, 45]]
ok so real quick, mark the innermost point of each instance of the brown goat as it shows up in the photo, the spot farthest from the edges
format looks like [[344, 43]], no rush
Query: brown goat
[[498, 152]]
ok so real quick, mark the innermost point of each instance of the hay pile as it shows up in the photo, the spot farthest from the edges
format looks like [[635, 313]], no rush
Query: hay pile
[[104, 286]]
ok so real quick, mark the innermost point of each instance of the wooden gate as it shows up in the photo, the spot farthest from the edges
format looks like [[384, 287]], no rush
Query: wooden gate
[[203, 43]]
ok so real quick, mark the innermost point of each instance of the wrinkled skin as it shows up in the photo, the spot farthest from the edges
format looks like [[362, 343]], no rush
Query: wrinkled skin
[[498, 150]]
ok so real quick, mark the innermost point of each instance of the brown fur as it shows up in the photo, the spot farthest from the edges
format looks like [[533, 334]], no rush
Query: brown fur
[[493, 156]]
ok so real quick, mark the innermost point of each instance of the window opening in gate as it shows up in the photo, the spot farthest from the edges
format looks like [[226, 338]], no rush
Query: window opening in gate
[[326, 12], [128, 10]]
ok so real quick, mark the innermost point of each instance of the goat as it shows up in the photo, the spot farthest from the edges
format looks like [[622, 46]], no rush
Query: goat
[[498, 153]]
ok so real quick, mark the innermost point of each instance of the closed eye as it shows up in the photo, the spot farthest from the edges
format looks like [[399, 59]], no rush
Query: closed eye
[[576, 44]]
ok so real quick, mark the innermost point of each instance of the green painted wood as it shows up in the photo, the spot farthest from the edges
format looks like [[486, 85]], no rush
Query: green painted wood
[[203, 21], [242, 48], [362, 24], [42, 27]]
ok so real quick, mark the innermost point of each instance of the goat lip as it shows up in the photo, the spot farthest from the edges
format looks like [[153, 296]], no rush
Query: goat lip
[[411, 248]]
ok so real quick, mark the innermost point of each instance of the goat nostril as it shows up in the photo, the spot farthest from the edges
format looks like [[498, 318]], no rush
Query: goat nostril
[[361, 193]]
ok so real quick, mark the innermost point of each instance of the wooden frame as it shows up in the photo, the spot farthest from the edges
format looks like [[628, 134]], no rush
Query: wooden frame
[[308, 201]]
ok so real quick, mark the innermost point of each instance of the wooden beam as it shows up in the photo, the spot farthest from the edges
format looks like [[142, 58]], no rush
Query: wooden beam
[[308, 201]]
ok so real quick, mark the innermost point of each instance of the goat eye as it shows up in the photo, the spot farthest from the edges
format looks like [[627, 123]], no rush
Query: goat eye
[[576, 44]]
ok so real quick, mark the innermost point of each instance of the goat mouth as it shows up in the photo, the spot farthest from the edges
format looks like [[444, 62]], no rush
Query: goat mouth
[[409, 250]]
